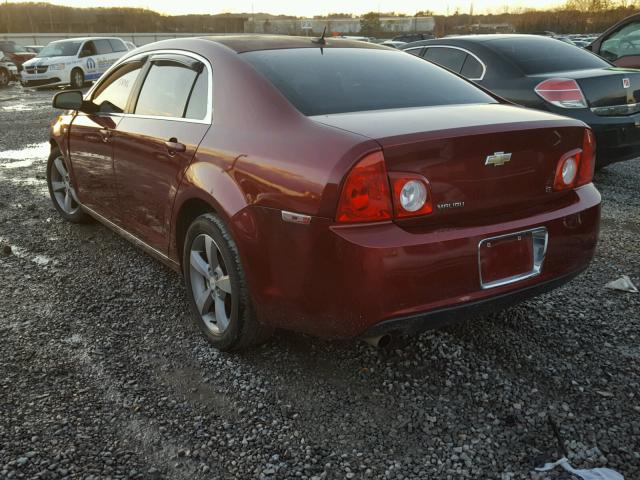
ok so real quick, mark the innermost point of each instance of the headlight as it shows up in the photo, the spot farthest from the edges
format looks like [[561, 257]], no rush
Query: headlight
[[56, 66]]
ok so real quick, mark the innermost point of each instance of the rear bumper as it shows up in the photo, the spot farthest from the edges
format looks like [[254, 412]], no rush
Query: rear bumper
[[348, 281], [617, 138], [617, 142], [414, 324]]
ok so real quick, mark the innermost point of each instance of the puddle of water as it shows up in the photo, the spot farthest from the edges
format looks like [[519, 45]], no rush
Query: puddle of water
[[25, 254], [18, 164], [23, 108], [37, 151]]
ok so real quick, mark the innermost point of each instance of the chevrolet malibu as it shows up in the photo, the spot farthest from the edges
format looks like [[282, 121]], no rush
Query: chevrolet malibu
[[333, 187]]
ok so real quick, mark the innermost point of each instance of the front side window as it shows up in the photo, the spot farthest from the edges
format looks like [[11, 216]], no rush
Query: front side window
[[111, 95], [622, 43], [450, 58], [341, 80], [166, 89]]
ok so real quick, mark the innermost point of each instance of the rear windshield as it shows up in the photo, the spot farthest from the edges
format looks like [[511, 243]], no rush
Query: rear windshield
[[339, 80], [544, 55]]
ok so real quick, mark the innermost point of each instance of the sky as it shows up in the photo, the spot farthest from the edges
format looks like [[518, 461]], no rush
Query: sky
[[304, 8]]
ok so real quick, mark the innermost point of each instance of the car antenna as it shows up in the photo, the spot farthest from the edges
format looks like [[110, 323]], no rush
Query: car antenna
[[321, 40]]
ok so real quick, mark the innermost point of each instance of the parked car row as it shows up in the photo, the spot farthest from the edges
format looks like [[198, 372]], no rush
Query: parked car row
[[547, 74], [63, 62]]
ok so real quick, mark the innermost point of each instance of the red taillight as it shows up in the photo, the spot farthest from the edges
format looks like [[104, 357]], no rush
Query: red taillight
[[562, 92], [576, 167], [588, 160], [365, 195], [411, 195]]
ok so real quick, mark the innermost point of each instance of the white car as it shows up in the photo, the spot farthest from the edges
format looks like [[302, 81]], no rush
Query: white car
[[8, 70], [72, 62]]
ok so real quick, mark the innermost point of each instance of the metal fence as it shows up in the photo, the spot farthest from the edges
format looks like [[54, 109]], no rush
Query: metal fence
[[138, 38]]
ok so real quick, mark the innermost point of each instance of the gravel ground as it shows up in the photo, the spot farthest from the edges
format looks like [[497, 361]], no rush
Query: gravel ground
[[103, 375]]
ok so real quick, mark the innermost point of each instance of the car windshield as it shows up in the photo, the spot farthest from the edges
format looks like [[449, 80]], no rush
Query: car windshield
[[13, 48], [60, 49], [339, 80], [537, 55]]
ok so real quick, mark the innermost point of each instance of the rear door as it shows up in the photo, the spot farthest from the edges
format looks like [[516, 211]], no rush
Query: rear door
[[156, 141]]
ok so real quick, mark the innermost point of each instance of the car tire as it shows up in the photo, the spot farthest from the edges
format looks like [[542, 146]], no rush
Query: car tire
[[62, 191], [216, 287], [5, 77], [77, 78]]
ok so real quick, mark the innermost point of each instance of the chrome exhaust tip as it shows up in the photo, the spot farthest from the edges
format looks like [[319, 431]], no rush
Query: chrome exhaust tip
[[380, 341]]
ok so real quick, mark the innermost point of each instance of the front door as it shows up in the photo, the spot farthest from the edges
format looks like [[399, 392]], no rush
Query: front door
[[622, 47], [155, 143], [90, 142]]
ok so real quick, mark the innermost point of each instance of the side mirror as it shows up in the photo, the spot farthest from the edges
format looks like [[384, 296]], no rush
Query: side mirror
[[68, 100]]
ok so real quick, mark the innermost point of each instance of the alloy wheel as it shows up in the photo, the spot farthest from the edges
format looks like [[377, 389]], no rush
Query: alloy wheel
[[62, 187], [4, 78], [211, 286]]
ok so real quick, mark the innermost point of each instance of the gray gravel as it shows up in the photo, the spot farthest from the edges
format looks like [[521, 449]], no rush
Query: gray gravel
[[103, 375]]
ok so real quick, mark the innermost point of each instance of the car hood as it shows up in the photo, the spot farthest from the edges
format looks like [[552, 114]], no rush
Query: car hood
[[47, 60]]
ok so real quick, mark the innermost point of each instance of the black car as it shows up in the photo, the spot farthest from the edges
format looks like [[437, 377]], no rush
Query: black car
[[412, 37], [547, 74]]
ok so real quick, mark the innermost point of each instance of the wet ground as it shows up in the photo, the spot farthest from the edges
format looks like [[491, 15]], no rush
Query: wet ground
[[103, 375]]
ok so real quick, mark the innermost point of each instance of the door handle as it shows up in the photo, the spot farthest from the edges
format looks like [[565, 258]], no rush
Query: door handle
[[105, 134], [174, 146]]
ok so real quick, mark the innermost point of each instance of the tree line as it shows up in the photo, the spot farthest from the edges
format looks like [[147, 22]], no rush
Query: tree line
[[576, 16]]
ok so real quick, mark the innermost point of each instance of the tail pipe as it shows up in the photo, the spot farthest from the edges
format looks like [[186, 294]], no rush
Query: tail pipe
[[379, 341]]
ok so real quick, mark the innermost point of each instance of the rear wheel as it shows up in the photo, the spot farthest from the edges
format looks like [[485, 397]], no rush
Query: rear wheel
[[77, 78], [61, 189], [216, 286], [5, 77]]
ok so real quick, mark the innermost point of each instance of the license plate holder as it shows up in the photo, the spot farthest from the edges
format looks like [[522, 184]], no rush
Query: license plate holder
[[511, 258]]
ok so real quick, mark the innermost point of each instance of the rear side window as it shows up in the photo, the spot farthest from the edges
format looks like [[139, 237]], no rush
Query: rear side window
[[535, 55], [103, 47], [417, 51], [472, 68], [166, 90], [112, 94], [117, 45], [338, 80], [199, 98], [451, 58]]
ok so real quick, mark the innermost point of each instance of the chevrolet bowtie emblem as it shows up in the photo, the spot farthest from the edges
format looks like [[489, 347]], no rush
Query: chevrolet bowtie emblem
[[497, 159]]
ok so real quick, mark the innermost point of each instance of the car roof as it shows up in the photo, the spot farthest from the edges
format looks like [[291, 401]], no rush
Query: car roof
[[483, 38], [82, 39], [251, 43]]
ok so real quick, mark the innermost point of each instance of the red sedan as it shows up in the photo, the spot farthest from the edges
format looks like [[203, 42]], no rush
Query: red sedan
[[332, 187]]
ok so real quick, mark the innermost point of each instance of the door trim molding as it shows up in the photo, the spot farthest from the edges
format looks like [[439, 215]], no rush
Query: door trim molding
[[157, 254]]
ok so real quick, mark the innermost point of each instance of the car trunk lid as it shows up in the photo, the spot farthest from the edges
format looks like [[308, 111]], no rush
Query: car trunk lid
[[608, 91], [480, 160]]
